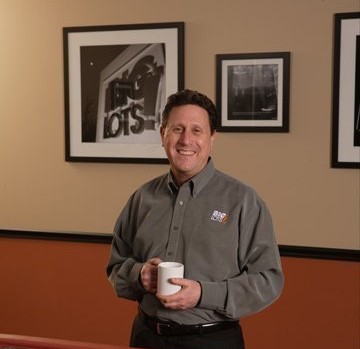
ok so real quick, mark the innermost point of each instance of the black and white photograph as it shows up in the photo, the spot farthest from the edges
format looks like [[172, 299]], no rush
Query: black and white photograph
[[253, 92], [357, 95], [346, 91], [116, 82]]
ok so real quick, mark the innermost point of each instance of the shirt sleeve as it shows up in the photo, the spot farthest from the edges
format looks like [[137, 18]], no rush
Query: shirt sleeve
[[260, 280], [123, 268]]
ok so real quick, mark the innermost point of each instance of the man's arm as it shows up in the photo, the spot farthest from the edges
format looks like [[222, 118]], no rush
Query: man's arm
[[123, 269], [260, 281]]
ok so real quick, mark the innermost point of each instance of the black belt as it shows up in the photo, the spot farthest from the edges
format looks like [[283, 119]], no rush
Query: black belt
[[169, 328]]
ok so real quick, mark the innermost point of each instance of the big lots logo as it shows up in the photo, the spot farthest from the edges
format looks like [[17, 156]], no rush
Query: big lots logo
[[117, 123], [131, 98]]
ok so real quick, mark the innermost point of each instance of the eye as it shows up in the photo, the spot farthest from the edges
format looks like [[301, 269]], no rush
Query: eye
[[177, 129]]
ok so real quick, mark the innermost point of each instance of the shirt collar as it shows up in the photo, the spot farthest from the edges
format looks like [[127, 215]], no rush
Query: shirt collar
[[197, 183]]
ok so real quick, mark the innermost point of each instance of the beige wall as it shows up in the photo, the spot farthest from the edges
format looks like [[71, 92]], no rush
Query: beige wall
[[312, 204]]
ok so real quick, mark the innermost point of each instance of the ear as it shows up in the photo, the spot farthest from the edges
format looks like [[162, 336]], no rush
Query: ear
[[162, 134], [213, 138]]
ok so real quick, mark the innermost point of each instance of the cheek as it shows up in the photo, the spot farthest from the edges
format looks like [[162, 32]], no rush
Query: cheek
[[207, 145], [168, 142], [210, 145]]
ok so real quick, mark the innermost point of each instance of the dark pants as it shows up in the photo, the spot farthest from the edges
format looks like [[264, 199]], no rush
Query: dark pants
[[143, 337]]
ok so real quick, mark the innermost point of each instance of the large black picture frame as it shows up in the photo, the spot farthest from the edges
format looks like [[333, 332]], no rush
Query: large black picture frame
[[253, 91], [346, 91], [117, 78]]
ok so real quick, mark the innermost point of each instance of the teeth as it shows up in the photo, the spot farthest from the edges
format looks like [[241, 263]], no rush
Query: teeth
[[184, 152]]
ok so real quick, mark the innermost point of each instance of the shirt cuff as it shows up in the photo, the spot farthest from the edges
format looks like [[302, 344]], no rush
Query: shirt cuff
[[213, 295], [134, 277]]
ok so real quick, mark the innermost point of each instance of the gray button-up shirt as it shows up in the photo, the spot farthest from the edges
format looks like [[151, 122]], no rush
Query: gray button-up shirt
[[218, 227]]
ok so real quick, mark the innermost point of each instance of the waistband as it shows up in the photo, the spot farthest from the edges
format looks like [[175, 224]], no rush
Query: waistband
[[169, 328]]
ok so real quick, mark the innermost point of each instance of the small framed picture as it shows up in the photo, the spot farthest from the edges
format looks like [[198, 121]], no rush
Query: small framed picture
[[252, 92], [346, 91], [117, 79]]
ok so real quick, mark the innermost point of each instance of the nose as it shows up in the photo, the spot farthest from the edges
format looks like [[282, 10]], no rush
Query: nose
[[185, 137]]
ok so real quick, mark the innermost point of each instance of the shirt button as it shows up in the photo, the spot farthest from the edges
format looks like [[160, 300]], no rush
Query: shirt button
[[181, 203], [176, 227], [170, 253]]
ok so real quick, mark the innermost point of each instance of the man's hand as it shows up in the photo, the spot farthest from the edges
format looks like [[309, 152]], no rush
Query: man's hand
[[186, 298], [148, 275]]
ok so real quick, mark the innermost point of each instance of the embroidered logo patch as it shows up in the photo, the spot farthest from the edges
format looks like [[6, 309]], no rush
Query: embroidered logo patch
[[219, 217]]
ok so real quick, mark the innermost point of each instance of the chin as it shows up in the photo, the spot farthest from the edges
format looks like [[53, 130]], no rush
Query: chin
[[184, 165]]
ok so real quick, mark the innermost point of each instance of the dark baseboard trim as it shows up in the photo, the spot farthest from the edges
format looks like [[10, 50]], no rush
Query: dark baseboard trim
[[57, 236], [285, 250], [320, 253]]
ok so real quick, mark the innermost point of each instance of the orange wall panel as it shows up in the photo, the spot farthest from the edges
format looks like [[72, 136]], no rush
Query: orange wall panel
[[319, 308], [60, 290]]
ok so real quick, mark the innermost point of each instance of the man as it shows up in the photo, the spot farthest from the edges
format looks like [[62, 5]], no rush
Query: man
[[218, 227]]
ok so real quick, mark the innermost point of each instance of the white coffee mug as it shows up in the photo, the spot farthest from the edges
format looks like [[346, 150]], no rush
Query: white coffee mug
[[166, 271]]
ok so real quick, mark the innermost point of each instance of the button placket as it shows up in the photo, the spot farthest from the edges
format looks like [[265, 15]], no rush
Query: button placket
[[176, 224]]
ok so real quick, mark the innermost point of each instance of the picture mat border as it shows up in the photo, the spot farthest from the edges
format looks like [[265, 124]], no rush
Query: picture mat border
[[223, 61], [170, 33], [343, 153]]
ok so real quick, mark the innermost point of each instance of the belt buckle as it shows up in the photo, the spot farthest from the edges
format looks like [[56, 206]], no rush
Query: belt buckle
[[160, 327]]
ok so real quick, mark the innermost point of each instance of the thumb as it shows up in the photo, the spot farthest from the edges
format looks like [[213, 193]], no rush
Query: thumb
[[179, 281]]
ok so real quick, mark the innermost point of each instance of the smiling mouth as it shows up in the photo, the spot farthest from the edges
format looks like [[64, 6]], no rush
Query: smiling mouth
[[186, 152]]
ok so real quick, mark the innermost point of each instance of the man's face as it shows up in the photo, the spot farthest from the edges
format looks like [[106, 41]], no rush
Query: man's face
[[187, 140]]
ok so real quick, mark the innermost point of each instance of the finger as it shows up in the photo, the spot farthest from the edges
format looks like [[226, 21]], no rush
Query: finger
[[176, 304], [155, 261], [180, 282], [165, 299]]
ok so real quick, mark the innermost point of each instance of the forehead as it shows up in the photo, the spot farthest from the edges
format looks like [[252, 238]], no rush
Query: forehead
[[188, 114]]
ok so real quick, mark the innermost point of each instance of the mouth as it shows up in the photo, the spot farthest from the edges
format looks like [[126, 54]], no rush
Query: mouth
[[186, 152]]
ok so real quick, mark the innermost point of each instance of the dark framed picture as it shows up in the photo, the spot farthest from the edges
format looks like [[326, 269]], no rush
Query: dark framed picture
[[117, 79], [252, 92], [346, 91]]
